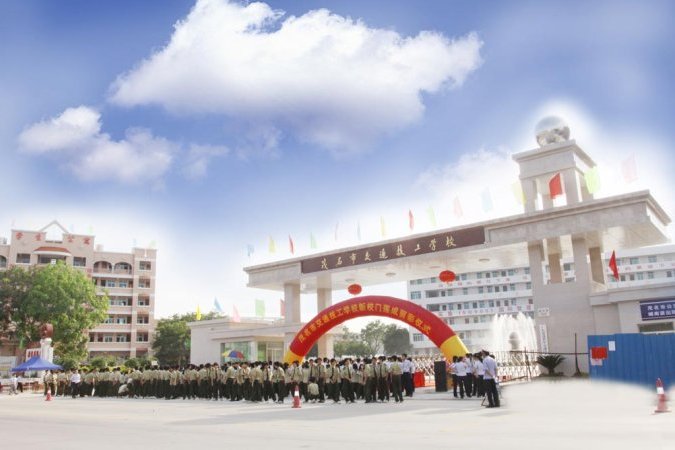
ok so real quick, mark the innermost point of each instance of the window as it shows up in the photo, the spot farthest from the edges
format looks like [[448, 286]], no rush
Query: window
[[143, 283], [415, 295], [631, 277], [530, 301], [474, 305], [481, 304], [462, 276], [444, 307], [108, 319], [512, 287], [669, 274], [651, 258], [640, 276], [449, 292], [467, 320], [506, 302], [92, 338], [122, 320], [503, 273], [475, 319], [655, 327], [432, 280], [142, 319], [431, 294], [505, 288], [108, 338], [22, 258], [623, 277], [567, 267], [487, 274], [459, 306], [512, 272], [490, 289], [3, 262], [451, 306], [450, 321], [528, 285], [650, 275], [499, 303], [527, 271], [480, 290], [79, 261], [465, 291], [142, 337], [491, 303], [121, 338], [146, 265], [495, 273], [108, 283], [123, 284], [479, 275], [143, 301], [466, 305], [433, 307], [635, 261], [418, 337]]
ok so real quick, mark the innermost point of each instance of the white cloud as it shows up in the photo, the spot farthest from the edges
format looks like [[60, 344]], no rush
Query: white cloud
[[92, 155], [329, 80], [198, 159]]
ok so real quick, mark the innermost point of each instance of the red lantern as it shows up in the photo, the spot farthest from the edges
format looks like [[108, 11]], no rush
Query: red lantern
[[354, 289], [447, 276]]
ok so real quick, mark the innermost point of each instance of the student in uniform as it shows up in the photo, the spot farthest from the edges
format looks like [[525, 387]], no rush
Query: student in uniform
[[313, 390], [396, 372], [346, 375], [333, 381]]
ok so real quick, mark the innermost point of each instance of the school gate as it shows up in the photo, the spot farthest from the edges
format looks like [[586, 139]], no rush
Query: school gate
[[634, 358]]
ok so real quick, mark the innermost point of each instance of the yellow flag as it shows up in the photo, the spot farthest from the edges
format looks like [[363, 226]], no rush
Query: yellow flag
[[272, 246], [518, 193], [198, 315]]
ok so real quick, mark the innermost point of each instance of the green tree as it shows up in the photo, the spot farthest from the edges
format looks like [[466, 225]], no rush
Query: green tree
[[396, 340], [58, 294], [350, 344], [372, 336], [171, 343]]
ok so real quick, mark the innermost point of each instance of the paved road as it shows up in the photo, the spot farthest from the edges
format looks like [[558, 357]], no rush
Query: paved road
[[562, 415]]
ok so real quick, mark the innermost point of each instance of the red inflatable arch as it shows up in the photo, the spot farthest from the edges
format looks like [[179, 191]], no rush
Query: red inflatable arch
[[375, 305]]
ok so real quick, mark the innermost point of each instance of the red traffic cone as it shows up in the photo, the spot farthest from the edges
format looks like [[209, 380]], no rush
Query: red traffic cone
[[662, 406], [49, 396], [296, 398]]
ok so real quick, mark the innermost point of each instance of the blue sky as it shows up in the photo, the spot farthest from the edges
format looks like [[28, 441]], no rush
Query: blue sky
[[217, 136]]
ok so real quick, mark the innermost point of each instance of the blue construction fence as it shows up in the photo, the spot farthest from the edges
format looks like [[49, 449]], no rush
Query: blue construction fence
[[633, 358]]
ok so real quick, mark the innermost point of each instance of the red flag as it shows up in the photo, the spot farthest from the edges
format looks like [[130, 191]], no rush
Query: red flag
[[411, 220], [282, 307], [555, 186], [613, 266], [291, 245]]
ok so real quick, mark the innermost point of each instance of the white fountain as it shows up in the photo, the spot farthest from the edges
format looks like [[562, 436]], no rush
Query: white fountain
[[508, 333]]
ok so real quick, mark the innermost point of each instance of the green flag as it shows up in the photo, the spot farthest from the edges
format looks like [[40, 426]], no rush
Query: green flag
[[312, 241], [592, 178], [259, 308]]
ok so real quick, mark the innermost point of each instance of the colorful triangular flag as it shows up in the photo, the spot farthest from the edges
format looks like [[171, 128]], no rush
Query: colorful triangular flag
[[235, 314], [555, 188], [291, 245], [312, 241], [629, 169], [457, 207], [486, 200], [518, 194], [259, 307], [411, 220], [216, 306], [250, 249], [432, 216], [592, 178], [198, 314], [272, 246]]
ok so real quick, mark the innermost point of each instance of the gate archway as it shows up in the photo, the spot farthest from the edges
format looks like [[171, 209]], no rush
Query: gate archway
[[376, 305]]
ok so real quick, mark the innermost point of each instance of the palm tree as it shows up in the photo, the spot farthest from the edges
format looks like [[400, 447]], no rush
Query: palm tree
[[550, 362]]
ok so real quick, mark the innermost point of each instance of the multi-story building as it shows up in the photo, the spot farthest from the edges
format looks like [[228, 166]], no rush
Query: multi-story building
[[128, 279], [471, 302]]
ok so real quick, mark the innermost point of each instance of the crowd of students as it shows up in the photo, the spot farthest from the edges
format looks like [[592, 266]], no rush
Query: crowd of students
[[475, 375]]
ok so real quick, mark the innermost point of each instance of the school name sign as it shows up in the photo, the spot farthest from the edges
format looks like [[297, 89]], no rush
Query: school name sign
[[394, 250]]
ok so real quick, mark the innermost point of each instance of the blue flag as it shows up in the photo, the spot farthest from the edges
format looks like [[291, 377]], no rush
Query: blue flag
[[216, 305]]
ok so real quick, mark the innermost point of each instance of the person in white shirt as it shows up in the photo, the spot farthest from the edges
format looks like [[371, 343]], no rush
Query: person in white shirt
[[407, 375], [13, 385], [479, 372], [490, 380], [469, 380], [460, 371], [75, 380]]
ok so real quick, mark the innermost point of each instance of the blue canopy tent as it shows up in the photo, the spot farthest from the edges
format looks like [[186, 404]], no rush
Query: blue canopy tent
[[36, 363]]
